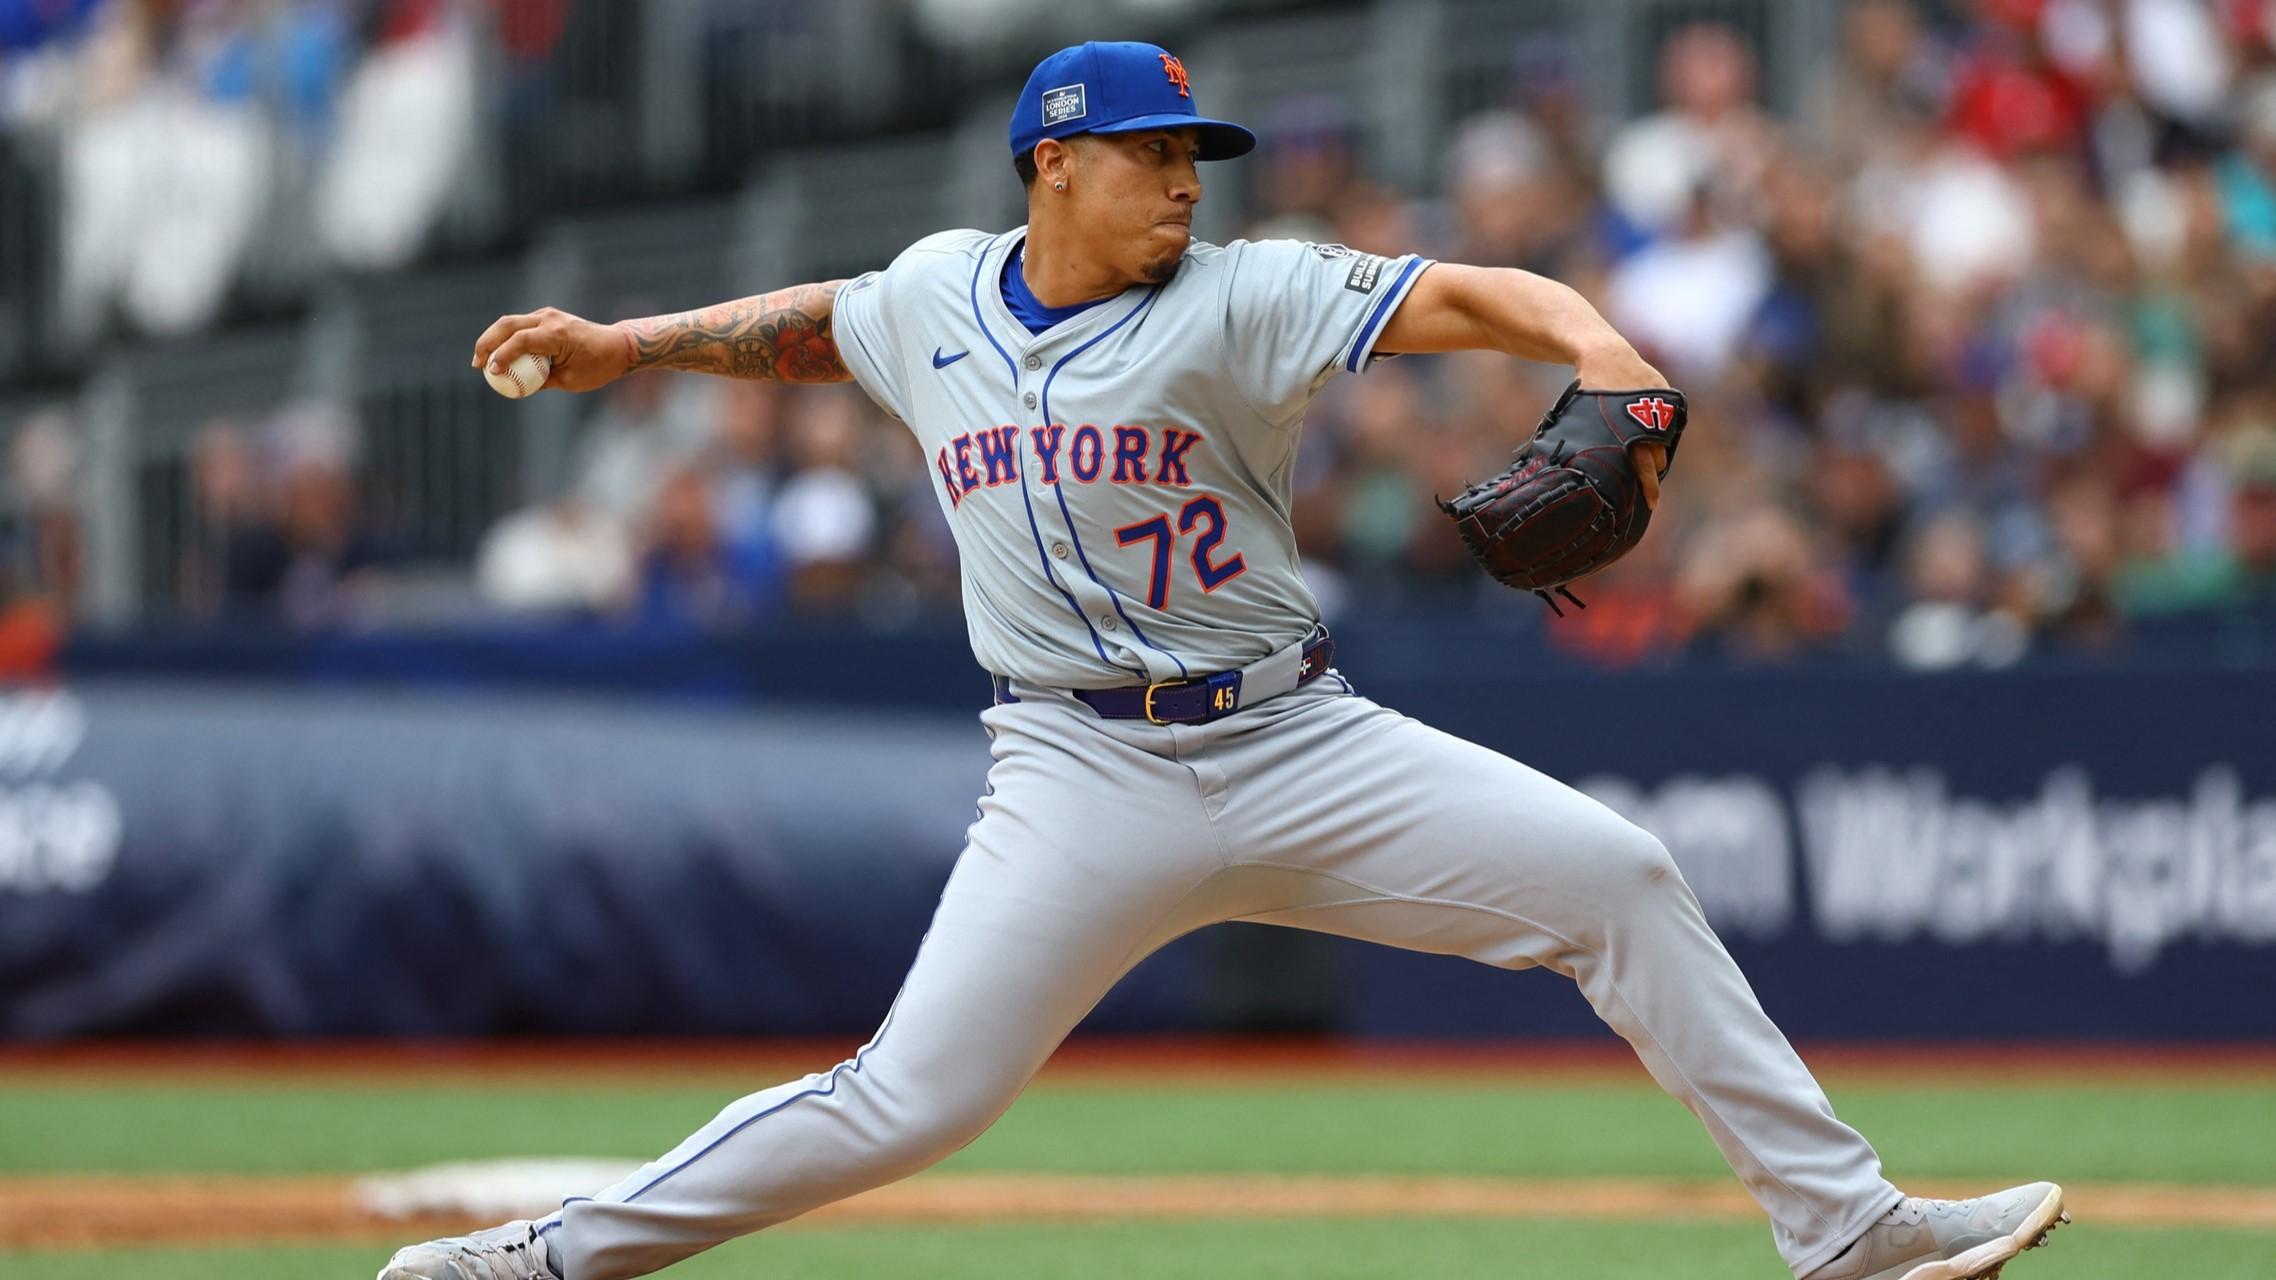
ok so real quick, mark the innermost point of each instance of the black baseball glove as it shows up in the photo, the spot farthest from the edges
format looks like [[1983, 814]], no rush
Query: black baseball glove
[[1571, 502]]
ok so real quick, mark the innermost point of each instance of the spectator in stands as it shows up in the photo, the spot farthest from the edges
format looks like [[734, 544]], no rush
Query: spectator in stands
[[1710, 135], [530, 35], [290, 56], [1814, 325], [167, 171], [1759, 591], [643, 430], [1381, 502], [2175, 60], [1952, 621], [1963, 217], [2252, 529], [561, 558], [1307, 169], [824, 518], [691, 575], [2011, 91], [2240, 572], [919, 548], [1686, 300], [1889, 80], [745, 457], [2248, 178], [330, 552], [233, 556], [43, 471], [1551, 88], [405, 147], [575, 552], [1858, 507], [1515, 201], [39, 546], [2076, 594], [275, 533]]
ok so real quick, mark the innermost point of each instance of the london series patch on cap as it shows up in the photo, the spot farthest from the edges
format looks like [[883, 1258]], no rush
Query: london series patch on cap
[[1063, 104]]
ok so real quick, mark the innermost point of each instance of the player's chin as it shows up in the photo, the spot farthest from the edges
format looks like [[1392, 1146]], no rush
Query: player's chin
[[1168, 244]]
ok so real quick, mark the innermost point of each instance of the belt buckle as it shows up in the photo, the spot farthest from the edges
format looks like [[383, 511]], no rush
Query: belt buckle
[[1158, 684]]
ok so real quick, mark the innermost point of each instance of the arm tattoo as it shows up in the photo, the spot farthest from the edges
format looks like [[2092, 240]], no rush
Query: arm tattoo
[[782, 336]]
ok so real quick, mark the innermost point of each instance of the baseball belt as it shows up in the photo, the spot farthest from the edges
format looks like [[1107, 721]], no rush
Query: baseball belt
[[1205, 698]]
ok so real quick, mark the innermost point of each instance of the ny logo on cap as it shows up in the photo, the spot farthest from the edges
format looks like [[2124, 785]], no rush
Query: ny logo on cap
[[1175, 70]]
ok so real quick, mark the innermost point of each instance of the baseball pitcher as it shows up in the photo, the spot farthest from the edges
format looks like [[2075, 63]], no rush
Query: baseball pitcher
[[1110, 412]]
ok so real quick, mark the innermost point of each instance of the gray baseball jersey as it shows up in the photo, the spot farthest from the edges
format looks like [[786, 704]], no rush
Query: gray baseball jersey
[[1118, 484]]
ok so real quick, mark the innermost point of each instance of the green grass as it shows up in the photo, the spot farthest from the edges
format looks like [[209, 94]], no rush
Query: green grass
[[2177, 1133], [2174, 1134], [1250, 1250]]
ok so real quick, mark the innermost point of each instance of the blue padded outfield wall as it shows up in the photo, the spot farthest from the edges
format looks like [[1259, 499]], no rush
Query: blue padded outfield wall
[[609, 835]]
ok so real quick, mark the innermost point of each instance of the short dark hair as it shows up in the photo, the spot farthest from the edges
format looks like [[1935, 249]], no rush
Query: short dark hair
[[1023, 164]]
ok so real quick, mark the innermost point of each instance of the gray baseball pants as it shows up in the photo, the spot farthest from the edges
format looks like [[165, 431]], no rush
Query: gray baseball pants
[[1101, 840]]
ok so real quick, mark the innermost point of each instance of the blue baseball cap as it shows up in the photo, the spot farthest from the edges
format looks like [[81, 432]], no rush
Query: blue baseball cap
[[1117, 86]]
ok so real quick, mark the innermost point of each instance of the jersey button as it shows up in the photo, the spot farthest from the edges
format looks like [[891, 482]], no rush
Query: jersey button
[[1106, 622], [1030, 399], [1058, 550], [1035, 362]]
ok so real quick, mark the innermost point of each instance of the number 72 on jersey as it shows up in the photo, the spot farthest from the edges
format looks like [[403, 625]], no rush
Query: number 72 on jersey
[[1203, 517]]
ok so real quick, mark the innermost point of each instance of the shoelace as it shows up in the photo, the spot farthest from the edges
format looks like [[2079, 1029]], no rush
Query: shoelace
[[520, 1258], [530, 1255], [1914, 1211]]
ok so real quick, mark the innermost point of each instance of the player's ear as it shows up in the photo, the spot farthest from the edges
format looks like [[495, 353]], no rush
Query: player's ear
[[1054, 161]]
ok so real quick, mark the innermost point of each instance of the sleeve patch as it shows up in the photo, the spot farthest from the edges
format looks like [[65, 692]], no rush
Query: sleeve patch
[[1365, 273]]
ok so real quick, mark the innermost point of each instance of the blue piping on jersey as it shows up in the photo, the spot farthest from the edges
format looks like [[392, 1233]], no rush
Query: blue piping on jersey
[[1034, 530], [980, 264], [556, 1221], [1382, 309], [851, 1067], [1060, 490]]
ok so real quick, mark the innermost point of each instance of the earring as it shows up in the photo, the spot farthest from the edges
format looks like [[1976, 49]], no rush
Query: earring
[[1058, 186]]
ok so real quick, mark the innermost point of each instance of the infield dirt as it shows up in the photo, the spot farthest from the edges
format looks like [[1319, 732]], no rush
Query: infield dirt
[[110, 1211]]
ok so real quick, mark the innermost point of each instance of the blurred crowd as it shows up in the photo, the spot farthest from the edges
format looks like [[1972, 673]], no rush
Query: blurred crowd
[[1980, 344], [206, 146], [1981, 347], [683, 502], [215, 154], [694, 501]]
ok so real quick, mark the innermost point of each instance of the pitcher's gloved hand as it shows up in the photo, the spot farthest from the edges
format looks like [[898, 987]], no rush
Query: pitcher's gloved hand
[[1572, 500]]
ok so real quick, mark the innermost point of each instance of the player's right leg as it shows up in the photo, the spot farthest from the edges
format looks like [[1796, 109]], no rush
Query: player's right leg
[[1091, 850], [1386, 829]]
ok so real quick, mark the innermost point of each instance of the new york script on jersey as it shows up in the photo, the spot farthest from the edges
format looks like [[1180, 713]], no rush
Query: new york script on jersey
[[1125, 453]]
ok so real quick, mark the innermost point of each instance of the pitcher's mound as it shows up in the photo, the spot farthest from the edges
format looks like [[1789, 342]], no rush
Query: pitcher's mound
[[491, 1190]]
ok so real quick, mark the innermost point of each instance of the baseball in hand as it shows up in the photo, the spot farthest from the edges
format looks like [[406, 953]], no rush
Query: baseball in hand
[[526, 374]]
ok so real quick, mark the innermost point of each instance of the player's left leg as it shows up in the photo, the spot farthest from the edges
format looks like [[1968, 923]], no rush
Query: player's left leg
[[1385, 829], [1091, 850]]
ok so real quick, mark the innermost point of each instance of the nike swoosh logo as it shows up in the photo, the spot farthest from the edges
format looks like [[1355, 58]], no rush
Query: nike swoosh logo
[[939, 363]]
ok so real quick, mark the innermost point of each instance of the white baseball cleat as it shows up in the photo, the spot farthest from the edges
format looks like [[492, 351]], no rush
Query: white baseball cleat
[[510, 1252], [1951, 1239]]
